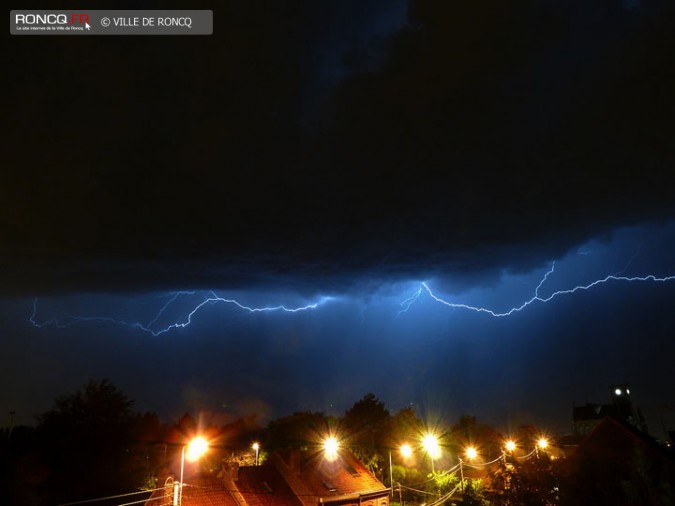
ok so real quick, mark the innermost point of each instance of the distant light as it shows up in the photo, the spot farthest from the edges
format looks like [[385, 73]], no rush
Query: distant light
[[256, 447], [510, 445], [627, 391], [430, 444], [196, 448], [330, 448], [406, 450], [617, 391], [542, 443], [471, 453]]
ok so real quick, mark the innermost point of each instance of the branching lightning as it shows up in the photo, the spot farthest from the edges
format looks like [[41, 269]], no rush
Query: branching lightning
[[151, 327], [425, 288], [188, 304]]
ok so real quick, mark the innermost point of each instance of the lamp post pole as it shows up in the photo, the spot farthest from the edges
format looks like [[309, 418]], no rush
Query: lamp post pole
[[178, 494], [391, 476], [256, 447], [196, 449]]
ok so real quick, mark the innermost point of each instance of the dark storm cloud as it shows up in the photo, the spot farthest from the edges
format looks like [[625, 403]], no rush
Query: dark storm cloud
[[475, 137]]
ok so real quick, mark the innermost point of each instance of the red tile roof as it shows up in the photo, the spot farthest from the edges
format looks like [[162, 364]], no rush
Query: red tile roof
[[203, 491], [292, 479], [264, 486], [346, 475]]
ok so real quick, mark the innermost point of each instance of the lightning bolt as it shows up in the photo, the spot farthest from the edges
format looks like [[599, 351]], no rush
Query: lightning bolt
[[198, 301], [425, 288], [151, 328], [405, 305]]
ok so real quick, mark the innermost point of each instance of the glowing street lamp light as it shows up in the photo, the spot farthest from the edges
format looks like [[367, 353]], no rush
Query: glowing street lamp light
[[192, 452], [431, 446], [406, 452], [471, 453], [195, 449], [256, 447], [542, 444], [510, 445], [330, 448]]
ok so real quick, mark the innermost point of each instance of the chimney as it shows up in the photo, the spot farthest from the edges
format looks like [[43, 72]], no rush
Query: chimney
[[231, 471]]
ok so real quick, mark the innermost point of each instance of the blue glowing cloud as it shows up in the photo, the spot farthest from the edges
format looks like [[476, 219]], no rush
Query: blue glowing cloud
[[469, 344], [580, 271]]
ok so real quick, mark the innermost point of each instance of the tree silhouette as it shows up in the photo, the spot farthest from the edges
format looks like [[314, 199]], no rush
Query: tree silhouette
[[366, 423], [94, 444]]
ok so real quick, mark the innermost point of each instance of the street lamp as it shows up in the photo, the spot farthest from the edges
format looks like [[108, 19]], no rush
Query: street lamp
[[510, 447], [430, 445], [195, 449], [471, 453], [330, 448], [542, 444], [406, 452], [256, 447]]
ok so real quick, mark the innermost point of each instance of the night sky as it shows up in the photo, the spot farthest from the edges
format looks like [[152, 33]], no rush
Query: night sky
[[341, 153]]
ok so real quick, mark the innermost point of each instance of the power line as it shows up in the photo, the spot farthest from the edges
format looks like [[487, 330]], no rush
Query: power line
[[142, 501], [111, 497]]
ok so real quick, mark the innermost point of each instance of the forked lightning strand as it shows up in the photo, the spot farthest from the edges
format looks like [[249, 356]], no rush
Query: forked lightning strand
[[424, 287], [211, 298], [151, 328]]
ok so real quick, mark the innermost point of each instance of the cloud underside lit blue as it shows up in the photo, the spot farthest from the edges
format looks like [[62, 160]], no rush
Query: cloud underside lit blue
[[593, 267], [498, 348]]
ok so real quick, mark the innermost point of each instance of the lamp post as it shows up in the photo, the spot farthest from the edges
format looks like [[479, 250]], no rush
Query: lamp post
[[391, 476], [471, 454], [256, 447], [406, 452], [330, 448], [195, 449], [430, 444], [542, 444], [510, 447]]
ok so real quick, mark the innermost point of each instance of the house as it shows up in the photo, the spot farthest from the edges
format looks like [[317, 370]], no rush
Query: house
[[288, 478], [343, 481], [618, 464], [586, 418]]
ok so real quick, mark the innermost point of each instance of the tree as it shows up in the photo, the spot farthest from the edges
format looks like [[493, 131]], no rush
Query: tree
[[469, 431], [366, 424], [95, 444], [533, 482], [474, 493], [404, 427], [302, 429]]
